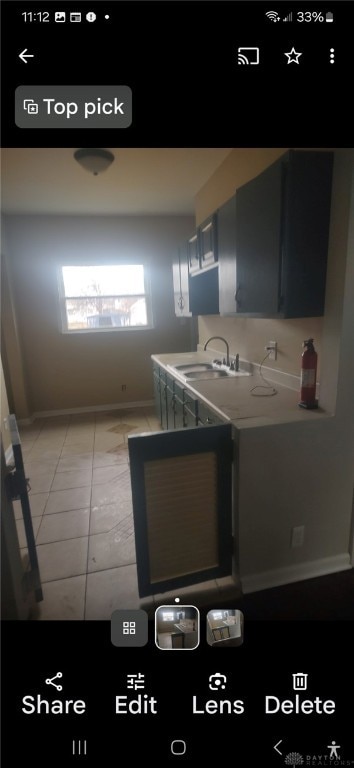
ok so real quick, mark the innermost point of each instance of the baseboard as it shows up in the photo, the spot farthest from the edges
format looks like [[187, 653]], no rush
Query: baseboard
[[291, 573], [85, 409]]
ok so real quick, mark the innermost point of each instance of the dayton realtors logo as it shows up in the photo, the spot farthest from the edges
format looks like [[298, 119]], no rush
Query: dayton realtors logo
[[332, 758]]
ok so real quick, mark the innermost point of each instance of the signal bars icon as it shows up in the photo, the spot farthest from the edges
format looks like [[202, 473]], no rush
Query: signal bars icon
[[289, 17]]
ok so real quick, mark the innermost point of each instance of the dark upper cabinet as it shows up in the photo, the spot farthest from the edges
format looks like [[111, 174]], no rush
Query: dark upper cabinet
[[193, 254], [204, 292], [307, 205], [181, 283], [227, 257], [195, 273], [207, 242], [202, 246], [273, 240]]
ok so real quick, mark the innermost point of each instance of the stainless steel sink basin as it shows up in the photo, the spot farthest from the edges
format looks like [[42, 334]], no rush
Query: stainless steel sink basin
[[193, 367], [196, 375], [201, 371]]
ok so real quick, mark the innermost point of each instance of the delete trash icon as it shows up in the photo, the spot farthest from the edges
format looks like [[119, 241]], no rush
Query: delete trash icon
[[300, 681]]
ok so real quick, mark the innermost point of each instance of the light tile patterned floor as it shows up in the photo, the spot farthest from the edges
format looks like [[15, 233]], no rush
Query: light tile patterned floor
[[81, 506]]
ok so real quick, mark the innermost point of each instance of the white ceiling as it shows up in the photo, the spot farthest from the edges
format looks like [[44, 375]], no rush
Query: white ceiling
[[140, 181]]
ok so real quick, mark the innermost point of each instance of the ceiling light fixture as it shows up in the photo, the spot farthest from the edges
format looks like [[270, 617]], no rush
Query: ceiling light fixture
[[94, 160]]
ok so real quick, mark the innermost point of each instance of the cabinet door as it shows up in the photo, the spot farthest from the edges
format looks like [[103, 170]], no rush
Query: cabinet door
[[258, 242], [181, 488], [208, 242], [193, 254], [164, 405], [157, 392], [207, 417], [181, 283], [204, 292], [307, 203], [170, 400], [179, 394], [227, 257], [190, 409]]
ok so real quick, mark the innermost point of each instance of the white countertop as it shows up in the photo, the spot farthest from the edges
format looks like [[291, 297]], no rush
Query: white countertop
[[231, 397]]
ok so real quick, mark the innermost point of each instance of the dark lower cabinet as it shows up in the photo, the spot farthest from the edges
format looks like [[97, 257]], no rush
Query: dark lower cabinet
[[157, 391], [273, 240], [190, 409], [177, 407], [207, 417], [182, 505]]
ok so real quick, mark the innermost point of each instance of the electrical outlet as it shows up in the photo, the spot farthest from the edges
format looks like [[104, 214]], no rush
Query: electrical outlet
[[272, 348], [297, 536]]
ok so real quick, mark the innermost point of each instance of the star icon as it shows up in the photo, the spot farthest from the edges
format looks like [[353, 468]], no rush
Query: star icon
[[293, 56]]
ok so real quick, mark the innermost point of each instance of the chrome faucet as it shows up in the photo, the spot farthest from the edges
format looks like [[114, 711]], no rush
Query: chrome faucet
[[225, 342]]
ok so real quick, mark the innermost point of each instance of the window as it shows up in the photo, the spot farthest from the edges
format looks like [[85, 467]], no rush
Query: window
[[168, 615], [109, 297]]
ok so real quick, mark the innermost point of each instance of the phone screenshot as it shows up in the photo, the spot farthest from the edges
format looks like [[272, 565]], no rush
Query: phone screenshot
[[177, 377]]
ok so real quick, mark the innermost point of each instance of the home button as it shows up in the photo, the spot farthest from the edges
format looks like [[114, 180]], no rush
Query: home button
[[178, 747]]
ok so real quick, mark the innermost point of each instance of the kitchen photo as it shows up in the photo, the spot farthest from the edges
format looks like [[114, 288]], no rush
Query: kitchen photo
[[177, 377], [177, 627], [224, 628]]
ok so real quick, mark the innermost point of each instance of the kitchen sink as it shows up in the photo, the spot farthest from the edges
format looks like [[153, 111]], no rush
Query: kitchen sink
[[193, 367], [207, 374], [202, 371]]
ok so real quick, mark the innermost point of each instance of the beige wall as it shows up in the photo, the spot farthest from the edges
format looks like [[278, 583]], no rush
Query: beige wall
[[73, 370], [249, 336], [15, 373], [311, 465], [240, 166]]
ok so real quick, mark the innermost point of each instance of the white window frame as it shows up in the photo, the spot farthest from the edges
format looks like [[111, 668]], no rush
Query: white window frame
[[110, 329]]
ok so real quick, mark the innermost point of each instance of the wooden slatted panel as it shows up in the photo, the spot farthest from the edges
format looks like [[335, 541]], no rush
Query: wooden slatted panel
[[181, 509]]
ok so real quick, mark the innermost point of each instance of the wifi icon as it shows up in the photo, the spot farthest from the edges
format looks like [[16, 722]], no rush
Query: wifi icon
[[272, 16]]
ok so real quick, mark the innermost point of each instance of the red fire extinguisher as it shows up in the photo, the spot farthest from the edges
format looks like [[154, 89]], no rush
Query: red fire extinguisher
[[308, 376]]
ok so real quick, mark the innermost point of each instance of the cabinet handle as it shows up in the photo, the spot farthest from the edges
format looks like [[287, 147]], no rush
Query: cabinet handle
[[181, 302]]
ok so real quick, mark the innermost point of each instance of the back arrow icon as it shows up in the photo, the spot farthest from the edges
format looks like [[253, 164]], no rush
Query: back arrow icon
[[277, 745], [24, 56]]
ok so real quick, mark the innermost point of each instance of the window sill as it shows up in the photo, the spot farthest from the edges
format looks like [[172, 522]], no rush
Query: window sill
[[84, 331]]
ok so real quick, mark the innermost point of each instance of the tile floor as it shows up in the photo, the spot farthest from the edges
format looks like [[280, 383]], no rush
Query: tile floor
[[81, 508]]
